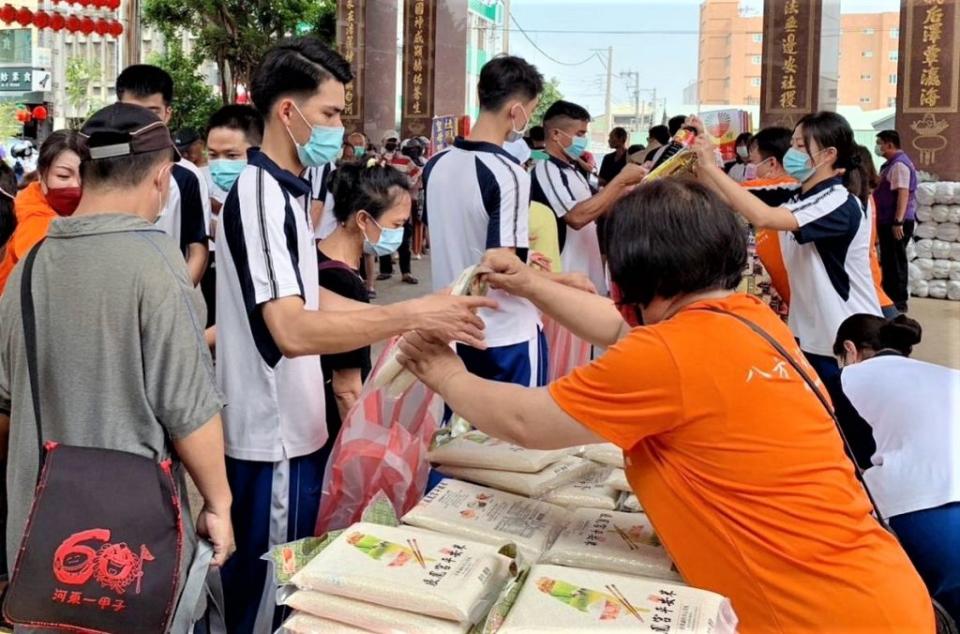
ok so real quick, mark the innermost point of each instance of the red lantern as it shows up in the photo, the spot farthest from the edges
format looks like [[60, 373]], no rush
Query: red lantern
[[40, 113], [41, 19], [116, 29], [57, 22], [8, 14], [101, 27], [73, 23], [25, 16], [86, 25], [23, 116]]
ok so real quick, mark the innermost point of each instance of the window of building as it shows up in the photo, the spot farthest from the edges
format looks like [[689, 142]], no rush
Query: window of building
[[894, 33], [868, 31], [866, 77], [891, 102], [892, 79], [758, 37], [754, 81], [865, 99], [757, 60], [894, 56], [867, 54]]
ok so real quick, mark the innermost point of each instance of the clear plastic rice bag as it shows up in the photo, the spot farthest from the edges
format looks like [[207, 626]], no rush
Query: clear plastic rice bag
[[555, 599], [366, 616], [611, 541], [409, 569], [605, 453], [489, 516], [301, 623], [477, 449], [534, 485], [592, 492]]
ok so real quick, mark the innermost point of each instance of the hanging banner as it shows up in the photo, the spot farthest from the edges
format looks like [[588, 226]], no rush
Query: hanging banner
[[928, 88], [791, 61], [351, 35], [419, 46]]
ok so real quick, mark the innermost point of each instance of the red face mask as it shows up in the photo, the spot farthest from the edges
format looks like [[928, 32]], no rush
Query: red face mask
[[630, 312], [64, 200]]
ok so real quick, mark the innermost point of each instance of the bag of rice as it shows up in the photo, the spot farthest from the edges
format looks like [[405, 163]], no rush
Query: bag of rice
[[920, 288], [953, 291], [409, 569], [489, 516], [926, 193], [940, 249], [926, 230], [618, 480], [533, 485], [955, 271], [476, 449], [591, 602], [301, 623], [911, 250], [924, 248], [953, 213], [938, 289], [926, 267], [611, 541], [606, 453], [943, 192], [949, 231], [369, 617], [924, 213], [941, 269], [913, 272], [591, 492], [955, 251], [630, 503], [939, 213]]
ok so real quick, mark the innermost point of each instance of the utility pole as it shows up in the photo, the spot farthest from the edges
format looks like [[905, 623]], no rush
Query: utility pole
[[609, 96], [632, 74], [506, 26]]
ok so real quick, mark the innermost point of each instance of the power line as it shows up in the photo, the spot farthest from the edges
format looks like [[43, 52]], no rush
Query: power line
[[543, 52]]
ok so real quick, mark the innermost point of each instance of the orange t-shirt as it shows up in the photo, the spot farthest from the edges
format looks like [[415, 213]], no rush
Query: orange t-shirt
[[768, 250], [743, 474], [34, 215]]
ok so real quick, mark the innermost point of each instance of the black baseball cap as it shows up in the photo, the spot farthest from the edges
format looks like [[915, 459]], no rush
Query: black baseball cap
[[123, 129], [185, 137]]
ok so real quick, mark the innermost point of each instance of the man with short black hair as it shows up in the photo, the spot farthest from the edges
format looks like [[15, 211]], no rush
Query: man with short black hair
[[614, 161], [673, 126], [478, 198], [558, 184], [187, 216], [119, 335], [766, 150], [896, 215], [657, 137], [274, 321]]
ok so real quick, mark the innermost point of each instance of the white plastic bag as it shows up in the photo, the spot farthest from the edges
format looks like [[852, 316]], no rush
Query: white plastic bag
[[941, 249], [618, 480], [938, 289], [926, 193], [941, 269], [477, 449], [955, 251], [409, 569], [556, 599], [369, 617], [953, 212], [911, 250], [605, 453], [943, 192], [489, 516], [926, 267], [611, 541], [949, 231], [955, 271], [913, 273], [534, 485], [591, 492], [920, 288], [924, 248], [924, 213], [939, 213], [926, 230]]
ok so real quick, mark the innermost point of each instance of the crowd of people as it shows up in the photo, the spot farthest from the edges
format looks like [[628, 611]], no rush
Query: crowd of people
[[208, 295]]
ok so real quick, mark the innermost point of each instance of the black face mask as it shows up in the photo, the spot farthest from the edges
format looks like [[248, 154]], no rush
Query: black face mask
[[390, 146], [415, 153]]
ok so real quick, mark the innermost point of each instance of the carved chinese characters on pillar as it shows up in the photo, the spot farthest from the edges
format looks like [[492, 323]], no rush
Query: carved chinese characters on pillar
[[928, 93], [350, 42], [791, 60], [418, 66]]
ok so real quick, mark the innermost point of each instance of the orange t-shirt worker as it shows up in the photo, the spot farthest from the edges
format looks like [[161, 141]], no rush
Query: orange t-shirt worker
[[737, 463]]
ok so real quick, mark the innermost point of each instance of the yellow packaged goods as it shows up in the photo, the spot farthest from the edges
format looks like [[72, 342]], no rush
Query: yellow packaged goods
[[409, 569], [369, 617], [558, 599], [478, 450], [306, 624], [533, 485], [605, 453], [592, 491], [489, 516], [611, 541]]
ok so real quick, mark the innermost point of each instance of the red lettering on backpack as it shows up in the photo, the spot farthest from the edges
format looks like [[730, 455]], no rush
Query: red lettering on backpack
[[113, 566]]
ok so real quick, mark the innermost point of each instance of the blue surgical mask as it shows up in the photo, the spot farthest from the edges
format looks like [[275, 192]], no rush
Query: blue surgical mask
[[322, 146], [225, 172], [795, 163], [389, 242], [577, 147], [358, 152]]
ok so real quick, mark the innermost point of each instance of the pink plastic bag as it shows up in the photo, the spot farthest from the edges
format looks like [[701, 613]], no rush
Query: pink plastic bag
[[382, 446], [566, 350]]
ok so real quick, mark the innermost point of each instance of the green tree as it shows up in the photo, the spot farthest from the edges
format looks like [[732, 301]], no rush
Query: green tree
[[9, 126], [194, 101], [551, 95], [236, 33], [80, 74]]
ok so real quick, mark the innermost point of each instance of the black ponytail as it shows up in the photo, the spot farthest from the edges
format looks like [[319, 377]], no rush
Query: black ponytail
[[901, 334], [374, 189], [829, 129], [870, 332]]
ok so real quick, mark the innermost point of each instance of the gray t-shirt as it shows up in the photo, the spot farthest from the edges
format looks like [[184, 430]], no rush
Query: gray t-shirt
[[121, 355]]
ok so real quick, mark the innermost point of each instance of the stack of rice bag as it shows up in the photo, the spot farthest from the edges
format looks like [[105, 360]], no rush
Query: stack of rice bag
[[935, 255]]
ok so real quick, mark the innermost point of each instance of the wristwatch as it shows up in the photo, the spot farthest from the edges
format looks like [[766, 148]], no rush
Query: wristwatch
[[897, 223]]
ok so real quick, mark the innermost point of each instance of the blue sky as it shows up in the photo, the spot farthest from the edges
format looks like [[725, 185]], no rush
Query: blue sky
[[657, 38]]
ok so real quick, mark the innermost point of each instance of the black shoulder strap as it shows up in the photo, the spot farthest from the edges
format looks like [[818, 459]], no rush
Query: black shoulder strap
[[813, 387], [29, 318]]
